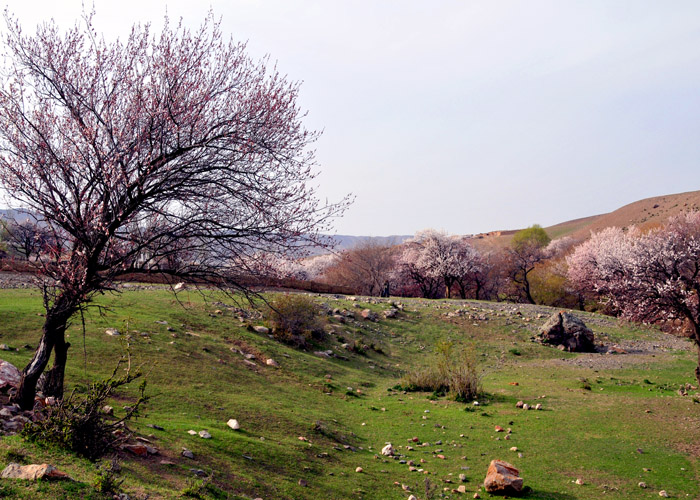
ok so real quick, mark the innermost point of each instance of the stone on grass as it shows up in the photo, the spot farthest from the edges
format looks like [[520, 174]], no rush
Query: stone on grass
[[204, 435], [388, 450], [33, 472], [663, 493], [261, 329], [233, 424], [358, 469], [271, 362], [187, 453], [192, 432], [565, 329], [412, 497], [137, 449], [113, 332], [503, 478]]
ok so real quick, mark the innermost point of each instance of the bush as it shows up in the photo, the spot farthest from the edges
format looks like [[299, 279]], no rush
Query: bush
[[80, 424], [294, 318], [451, 372]]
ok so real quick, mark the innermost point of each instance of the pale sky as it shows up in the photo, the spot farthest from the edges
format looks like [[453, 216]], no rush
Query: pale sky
[[470, 116]]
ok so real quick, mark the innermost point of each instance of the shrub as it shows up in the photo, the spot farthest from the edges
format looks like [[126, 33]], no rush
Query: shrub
[[80, 424], [294, 318], [451, 372]]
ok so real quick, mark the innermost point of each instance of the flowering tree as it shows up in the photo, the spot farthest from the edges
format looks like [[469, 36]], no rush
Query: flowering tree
[[173, 151], [433, 260], [647, 277], [26, 238]]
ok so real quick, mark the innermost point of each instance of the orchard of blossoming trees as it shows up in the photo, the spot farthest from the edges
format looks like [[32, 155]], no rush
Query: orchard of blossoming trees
[[171, 150], [647, 276]]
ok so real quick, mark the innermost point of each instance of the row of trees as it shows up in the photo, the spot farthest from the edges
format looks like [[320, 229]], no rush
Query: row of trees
[[434, 264]]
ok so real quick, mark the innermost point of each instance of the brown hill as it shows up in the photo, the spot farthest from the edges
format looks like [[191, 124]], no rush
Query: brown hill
[[645, 213]]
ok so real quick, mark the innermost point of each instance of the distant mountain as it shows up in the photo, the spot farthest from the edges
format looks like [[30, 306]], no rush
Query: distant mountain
[[344, 242], [12, 214]]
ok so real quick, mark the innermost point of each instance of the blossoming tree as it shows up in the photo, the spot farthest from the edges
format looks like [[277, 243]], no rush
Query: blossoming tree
[[134, 152]]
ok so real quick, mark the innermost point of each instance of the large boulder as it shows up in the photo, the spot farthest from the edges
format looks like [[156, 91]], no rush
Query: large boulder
[[9, 375], [567, 331], [503, 478]]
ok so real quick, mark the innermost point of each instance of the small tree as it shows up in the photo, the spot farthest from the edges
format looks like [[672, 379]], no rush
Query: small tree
[[647, 277], [173, 150], [26, 238], [366, 268], [527, 249]]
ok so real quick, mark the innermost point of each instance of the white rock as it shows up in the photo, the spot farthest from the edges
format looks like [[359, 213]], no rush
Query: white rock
[[204, 435], [233, 424], [179, 286], [663, 493], [192, 432], [112, 332], [526, 406], [412, 497], [538, 406], [261, 329], [271, 362], [388, 450]]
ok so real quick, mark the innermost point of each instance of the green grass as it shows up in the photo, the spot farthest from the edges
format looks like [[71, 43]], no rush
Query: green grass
[[198, 382]]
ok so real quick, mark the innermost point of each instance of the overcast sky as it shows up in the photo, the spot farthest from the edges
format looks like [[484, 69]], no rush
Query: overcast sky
[[470, 116]]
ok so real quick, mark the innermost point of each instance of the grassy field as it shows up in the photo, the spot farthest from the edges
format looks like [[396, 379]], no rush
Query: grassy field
[[611, 421]]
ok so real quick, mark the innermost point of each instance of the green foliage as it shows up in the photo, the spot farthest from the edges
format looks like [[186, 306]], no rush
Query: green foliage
[[106, 479], [294, 318], [533, 236], [79, 423]]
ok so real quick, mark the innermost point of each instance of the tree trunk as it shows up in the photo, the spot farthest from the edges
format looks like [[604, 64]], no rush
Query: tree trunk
[[52, 338], [53, 384], [528, 295]]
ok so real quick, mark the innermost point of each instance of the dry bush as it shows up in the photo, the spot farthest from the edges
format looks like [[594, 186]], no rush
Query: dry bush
[[294, 318], [453, 373]]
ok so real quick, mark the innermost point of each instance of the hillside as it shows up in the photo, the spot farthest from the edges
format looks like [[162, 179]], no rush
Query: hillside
[[643, 213], [309, 423]]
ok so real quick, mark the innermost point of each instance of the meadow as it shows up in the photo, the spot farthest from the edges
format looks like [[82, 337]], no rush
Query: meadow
[[610, 421]]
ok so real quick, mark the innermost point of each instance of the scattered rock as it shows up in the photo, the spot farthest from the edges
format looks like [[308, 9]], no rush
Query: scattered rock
[[663, 493], [272, 362], [113, 332], [261, 329], [368, 315], [303, 483], [33, 472], [519, 404], [187, 454], [204, 435], [579, 481], [463, 478], [137, 449], [461, 488], [503, 478], [107, 410], [565, 329], [642, 485], [179, 286], [192, 432], [233, 424], [358, 469], [388, 450], [5, 347]]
